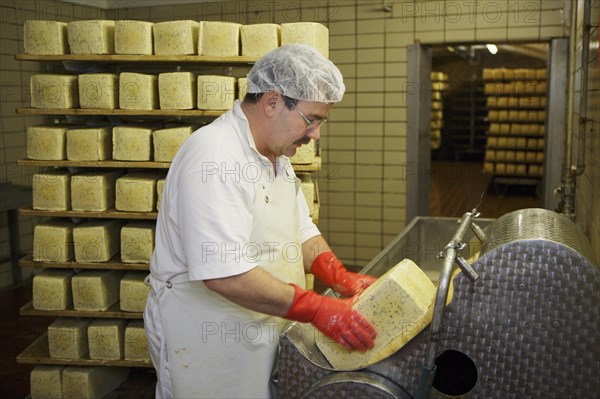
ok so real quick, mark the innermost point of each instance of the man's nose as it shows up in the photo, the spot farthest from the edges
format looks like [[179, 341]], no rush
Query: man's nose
[[314, 133]]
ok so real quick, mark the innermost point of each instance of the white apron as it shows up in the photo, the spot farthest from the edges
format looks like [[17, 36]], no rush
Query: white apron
[[212, 347]]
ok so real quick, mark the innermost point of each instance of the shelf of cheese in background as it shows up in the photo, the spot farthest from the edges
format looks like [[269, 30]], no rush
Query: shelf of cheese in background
[[439, 85], [516, 103]]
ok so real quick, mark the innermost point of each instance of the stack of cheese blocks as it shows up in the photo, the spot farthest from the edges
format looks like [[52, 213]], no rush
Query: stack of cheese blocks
[[169, 91], [439, 80]]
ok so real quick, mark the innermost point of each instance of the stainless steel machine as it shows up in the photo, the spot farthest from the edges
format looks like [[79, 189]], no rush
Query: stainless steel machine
[[524, 321]]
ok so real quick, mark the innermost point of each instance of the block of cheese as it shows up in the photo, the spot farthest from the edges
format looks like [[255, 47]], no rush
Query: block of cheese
[[137, 242], [167, 142], [53, 241], [257, 40], [45, 37], [176, 37], [54, 91], [46, 382], [311, 33], [89, 144], [91, 382], [136, 192], [136, 343], [138, 91], [51, 190], [52, 289], [91, 36], [95, 290], [134, 37], [47, 142], [132, 143], [96, 240], [98, 90], [177, 90], [399, 305], [242, 86], [93, 191], [308, 190], [134, 292], [304, 154], [219, 39], [160, 185], [106, 339], [216, 92], [67, 338]]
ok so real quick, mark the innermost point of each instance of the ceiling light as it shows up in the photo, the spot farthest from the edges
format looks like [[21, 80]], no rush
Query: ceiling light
[[492, 48]]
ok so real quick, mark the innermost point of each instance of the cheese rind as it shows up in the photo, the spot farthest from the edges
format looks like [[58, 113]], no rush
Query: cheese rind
[[93, 191], [242, 87], [167, 142], [311, 33], [96, 290], [177, 90], [52, 190], [304, 154], [52, 289], [308, 190], [257, 40], [398, 305], [53, 241], [96, 240], [137, 242], [134, 292], [160, 185], [132, 143], [45, 37], [67, 338], [89, 144], [134, 37], [98, 90], [176, 37], [47, 142], [106, 339], [136, 343], [91, 36], [46, 382], [219, 39], [216, 92], [54, 91], [138, 91], [80, 382], [136, 192]]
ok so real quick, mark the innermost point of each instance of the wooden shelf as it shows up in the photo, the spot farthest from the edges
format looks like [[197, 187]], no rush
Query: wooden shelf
[[108, 214], [114, 264], [130, 112], [137, 58], [38, 353], [114, 312]]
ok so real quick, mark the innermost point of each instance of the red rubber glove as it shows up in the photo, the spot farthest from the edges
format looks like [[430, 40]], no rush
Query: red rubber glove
[[333, 317], [328, 268]]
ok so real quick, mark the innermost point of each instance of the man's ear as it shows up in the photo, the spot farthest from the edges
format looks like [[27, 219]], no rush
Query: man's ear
[[270, 104]]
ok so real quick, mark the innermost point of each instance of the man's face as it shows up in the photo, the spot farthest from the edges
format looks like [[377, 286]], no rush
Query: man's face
[[295, 124]]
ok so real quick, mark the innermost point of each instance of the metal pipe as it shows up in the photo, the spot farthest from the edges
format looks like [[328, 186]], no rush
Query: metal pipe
[[585, 60]]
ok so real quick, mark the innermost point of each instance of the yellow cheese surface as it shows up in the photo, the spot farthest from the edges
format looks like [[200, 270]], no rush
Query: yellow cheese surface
[[93, 191], [46, 382], [52, 190], [176, 37], [258, 39], [91, 36], [137, 242], [95, 290], [304, 154], [98, 90], [177, 90], [308, 190], [47, 142], [52, 289], [167, 142], [134, 37], [134, 291], [160, 185], [67, 338], [89, 144], [91, 382], [96, 240], [132, 143], [219, 39], [242, 86], [54, 91], [136, 343], [311, 33], [106, 339], [136, 192], [45, 37], [216, 92], [53, 241], [138, 91]]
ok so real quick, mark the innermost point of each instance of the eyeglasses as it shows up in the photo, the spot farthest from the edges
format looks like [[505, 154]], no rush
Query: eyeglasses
[[309, 123]]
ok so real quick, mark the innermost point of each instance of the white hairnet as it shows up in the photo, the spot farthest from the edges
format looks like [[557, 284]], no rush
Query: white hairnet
[[297, 71]]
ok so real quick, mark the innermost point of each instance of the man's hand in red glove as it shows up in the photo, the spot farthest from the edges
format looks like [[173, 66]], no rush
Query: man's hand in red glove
[[333, 317], [328, 268]]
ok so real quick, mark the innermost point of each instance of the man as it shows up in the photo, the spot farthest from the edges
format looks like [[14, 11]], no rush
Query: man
[[234, 238]]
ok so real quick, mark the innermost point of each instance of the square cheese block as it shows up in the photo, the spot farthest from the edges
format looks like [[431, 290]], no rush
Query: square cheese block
[[93, 191], [91, 36], [53, 241], [46, 382], [134, 292], [106, 339], [177, 90], [51, 190], [242, 86], [134, 37], [399, 305], [132, 143], [95, 290], [136, 192], [91, 382], [138, 91], [160, 185], [45, 37], [216, 92], [308, 190], [89, 144], [219, 39], [47, 142], [136, 343], [52, 289], [67, 338], [96, 240], [98, 90], [137, 242], [311, 33], [167, 142], [176, 37], [304, 154], [257, 40], [54, 91]]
